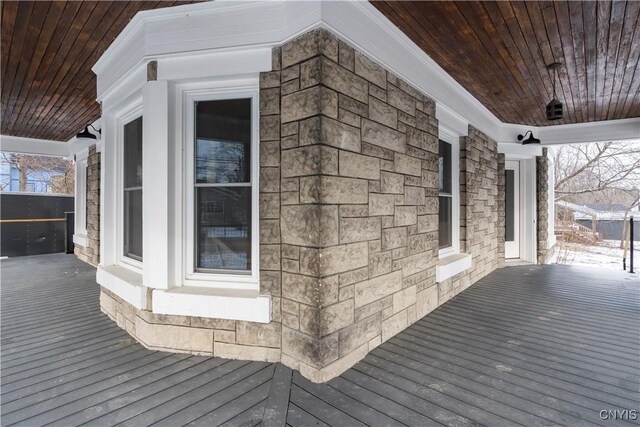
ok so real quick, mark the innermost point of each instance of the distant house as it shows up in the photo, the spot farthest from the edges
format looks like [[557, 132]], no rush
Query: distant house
[[38, 180], [609, 223]]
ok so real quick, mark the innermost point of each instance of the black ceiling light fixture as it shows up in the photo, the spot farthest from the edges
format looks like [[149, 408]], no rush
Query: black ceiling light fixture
[[530, 140], [85, 134], [554, 108]]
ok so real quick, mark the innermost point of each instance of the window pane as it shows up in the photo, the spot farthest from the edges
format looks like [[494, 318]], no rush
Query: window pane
[[509, 206], [132, 227], [133, 224], [445, 228], [133, 154], [224, 228], [444, 167], [223, 141]]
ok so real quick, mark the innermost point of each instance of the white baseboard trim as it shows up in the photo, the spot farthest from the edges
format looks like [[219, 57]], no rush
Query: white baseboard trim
[[125, 283]]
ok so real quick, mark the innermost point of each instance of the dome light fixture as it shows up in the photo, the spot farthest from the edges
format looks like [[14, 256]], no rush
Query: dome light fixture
[[554, 108], [530, 140], [86, 135]]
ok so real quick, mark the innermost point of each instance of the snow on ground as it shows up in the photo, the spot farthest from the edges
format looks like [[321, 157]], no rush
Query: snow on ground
[[606, 253]]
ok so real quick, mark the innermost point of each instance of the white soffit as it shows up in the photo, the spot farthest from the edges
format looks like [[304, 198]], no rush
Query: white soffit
[[226, 25]]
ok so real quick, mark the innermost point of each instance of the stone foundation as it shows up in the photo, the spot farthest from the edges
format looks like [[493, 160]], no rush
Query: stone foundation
[[91, 253]]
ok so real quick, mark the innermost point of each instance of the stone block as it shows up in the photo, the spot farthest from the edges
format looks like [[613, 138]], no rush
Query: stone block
[[323, 130], [359, 229], [338, 259], [401, 100], [383, 136], [354, 211], [346, 55], [336, 317], [394, 238], [381, 204], [309, 160], [394, 324], [270, 153], [308, 45], [391, 183], [246, 352], [383, 113], [357, 334], [359, 166], [343, 81], [426, 301], [258, 334], [370, 70], [171, 337], [309, 102], [310, 225], [270, 101], [300, 288], [404, 299], [356, 107], [269, 128], [377, 288], [405, 215], [380, 263], [414, 196], [407, 165], [334, 190]]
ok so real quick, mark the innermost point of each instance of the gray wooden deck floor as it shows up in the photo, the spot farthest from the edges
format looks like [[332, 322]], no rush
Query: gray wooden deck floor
[[530, 346]]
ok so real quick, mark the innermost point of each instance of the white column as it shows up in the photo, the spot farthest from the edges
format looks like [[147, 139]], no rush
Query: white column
[[108, 195], [155, 185]]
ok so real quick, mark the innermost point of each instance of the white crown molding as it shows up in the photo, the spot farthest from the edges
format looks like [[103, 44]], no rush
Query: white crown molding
[[219, 26], [47, 147]]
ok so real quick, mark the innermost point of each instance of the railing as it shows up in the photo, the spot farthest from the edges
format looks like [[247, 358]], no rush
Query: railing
[[572, 231]]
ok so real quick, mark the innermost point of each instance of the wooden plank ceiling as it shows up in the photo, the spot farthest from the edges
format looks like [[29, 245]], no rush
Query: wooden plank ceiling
[[48, 49], [497, 50]]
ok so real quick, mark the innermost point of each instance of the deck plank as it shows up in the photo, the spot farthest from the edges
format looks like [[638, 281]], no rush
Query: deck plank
[[527, 345]]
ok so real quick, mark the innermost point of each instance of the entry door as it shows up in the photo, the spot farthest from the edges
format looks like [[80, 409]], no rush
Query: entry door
[[512, 210]]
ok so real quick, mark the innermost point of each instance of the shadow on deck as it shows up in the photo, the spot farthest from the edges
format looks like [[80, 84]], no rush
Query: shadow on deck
[[528, 345]]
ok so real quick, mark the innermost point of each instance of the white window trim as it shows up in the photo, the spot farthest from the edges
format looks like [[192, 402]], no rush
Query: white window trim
[[80, 202], [453, 139], [187, 95], [125, 116]]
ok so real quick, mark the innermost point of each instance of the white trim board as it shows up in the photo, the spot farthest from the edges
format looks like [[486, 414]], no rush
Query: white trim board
[[223, 26]]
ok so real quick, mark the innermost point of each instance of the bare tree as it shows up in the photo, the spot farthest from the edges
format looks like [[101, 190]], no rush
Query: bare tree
[[596, 168], [57, 172]]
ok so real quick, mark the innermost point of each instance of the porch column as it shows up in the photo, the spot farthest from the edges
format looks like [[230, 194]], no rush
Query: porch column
[[155, 184]]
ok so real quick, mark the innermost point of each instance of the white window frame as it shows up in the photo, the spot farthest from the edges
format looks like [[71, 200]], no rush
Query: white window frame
[[189, 94], [451, 138], [124, 117], [80, 203]]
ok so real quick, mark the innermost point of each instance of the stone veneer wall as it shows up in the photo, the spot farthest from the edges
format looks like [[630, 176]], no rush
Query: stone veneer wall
[[91, 253], [359, 205], [542, 202], [482, 211], [348, 216]]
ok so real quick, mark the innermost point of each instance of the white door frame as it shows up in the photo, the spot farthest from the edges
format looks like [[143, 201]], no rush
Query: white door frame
[[512, 248], [527, 247]]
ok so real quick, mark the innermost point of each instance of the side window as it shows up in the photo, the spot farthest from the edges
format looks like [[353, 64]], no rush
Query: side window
[[132, 197]]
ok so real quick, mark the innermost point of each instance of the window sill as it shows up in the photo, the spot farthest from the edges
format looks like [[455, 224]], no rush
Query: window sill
[[80, 240], [452, 265], [229, 304], [125, 283]]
